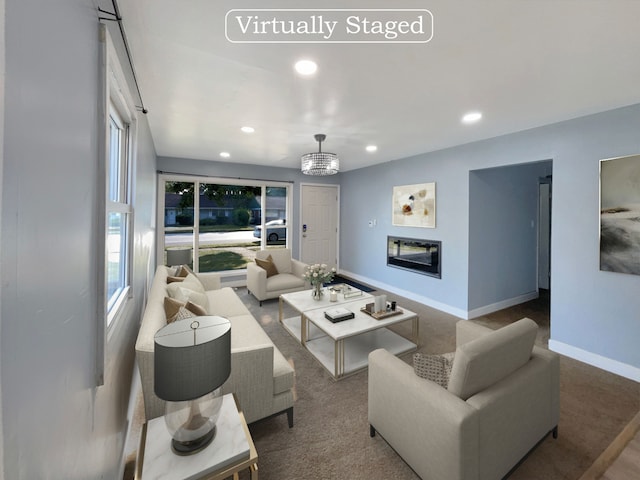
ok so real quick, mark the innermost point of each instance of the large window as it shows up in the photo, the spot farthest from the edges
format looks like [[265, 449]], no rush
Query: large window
[[119, 211], [220, 228], [119, 139]]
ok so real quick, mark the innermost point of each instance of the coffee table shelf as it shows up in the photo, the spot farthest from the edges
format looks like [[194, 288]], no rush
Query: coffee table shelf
[[356, 350]]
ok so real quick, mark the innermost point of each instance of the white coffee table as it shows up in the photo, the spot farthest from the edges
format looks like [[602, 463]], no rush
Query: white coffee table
[[343, 348]]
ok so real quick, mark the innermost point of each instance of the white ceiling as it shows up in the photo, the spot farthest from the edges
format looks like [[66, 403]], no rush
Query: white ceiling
[[522, 63]]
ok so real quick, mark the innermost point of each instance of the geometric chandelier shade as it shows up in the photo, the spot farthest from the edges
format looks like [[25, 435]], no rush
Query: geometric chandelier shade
[[320, 163]]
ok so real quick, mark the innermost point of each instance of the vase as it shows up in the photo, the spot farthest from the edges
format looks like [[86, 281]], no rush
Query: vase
[[316, 291]]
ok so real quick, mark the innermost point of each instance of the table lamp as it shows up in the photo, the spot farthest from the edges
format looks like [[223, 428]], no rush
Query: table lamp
[[192, 360]]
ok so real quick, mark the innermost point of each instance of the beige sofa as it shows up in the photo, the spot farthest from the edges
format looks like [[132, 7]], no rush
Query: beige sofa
[[502, 398], [261, 377], [288, 279]]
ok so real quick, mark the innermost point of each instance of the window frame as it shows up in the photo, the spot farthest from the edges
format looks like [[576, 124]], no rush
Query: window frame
[[115, 98], [122, 206], [197, 181]]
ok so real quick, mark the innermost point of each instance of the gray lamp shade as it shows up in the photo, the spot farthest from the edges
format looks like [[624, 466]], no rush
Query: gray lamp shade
[[181, 256], [192, 357]]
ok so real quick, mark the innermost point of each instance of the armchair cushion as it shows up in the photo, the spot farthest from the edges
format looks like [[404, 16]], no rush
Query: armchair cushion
[[436, 368], [268, 265], [484, 361], [284, 281]]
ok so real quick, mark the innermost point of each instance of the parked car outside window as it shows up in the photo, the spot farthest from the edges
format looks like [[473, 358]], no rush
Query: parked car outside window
[[276, 231]]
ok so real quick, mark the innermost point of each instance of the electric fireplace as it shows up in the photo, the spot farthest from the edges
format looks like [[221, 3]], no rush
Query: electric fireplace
[[415, 255]]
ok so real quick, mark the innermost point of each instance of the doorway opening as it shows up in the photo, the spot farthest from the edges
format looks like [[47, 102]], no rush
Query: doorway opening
[[507, 254]]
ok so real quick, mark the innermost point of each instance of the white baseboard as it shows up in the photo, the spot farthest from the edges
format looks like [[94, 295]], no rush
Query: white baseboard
[[410, 295], [608, 364], [510, 302], [605, 363]]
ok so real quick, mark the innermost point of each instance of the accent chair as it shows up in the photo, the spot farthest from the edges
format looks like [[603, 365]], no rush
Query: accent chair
[[274, 273], [501, 399]]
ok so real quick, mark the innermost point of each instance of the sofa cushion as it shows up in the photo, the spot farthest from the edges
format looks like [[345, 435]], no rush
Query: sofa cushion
[[225, 302], [482, 362], [436, 368], [268, 265], [246, 332]]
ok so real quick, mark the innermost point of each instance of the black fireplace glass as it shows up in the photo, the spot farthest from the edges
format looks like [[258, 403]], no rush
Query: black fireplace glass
[[415, 255]]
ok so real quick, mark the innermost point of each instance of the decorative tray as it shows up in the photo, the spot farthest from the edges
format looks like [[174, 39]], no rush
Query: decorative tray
[[368, 309], [347, 290]]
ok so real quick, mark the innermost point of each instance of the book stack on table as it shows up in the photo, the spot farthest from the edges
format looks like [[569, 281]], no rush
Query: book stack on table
[[338, 314]]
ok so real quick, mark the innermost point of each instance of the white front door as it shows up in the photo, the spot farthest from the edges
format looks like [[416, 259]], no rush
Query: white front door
[[319, 224]]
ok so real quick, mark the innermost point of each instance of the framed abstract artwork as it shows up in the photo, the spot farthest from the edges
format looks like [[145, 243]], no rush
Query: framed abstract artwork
[[415, 205], [620, 214]]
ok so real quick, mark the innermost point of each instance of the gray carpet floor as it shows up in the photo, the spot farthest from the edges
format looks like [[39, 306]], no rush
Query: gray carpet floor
[[330, 438]]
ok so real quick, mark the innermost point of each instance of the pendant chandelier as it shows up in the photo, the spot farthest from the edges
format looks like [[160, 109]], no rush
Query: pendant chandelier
[[320, 163]]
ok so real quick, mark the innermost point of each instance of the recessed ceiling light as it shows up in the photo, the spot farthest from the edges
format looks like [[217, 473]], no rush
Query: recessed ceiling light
[[225, 154], [306, 67], [248, 129], [471, 117], [371, 148]]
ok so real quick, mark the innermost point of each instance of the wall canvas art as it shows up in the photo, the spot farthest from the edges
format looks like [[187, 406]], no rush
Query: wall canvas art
[[415, 205], [620, 215]]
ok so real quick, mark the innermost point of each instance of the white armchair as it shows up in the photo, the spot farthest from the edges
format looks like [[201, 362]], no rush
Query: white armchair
[[282, 275], [502, 397]]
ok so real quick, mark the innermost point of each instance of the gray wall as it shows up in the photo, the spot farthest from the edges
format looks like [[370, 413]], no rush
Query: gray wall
[[366, 195], [503, 240], [2, 80], [56, 423], [594, 314]]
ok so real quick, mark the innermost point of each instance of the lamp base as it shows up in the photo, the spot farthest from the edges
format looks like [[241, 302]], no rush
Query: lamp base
[[193, 446]]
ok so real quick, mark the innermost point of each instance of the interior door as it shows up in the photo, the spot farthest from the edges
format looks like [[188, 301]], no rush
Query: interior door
[[319, 224], [544, 236]]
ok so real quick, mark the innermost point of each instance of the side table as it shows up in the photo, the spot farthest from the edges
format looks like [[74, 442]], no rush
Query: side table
[[231, 451]]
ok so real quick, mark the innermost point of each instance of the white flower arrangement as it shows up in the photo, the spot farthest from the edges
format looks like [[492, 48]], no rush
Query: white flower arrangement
[[319, 273]]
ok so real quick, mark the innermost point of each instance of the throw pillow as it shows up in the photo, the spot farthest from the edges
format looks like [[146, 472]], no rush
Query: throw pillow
[[190, 282], [172, 307], [172, 279], [184, 313], [186, 295], [183, 271], [436, 368], [268, 265], [196, 309]]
